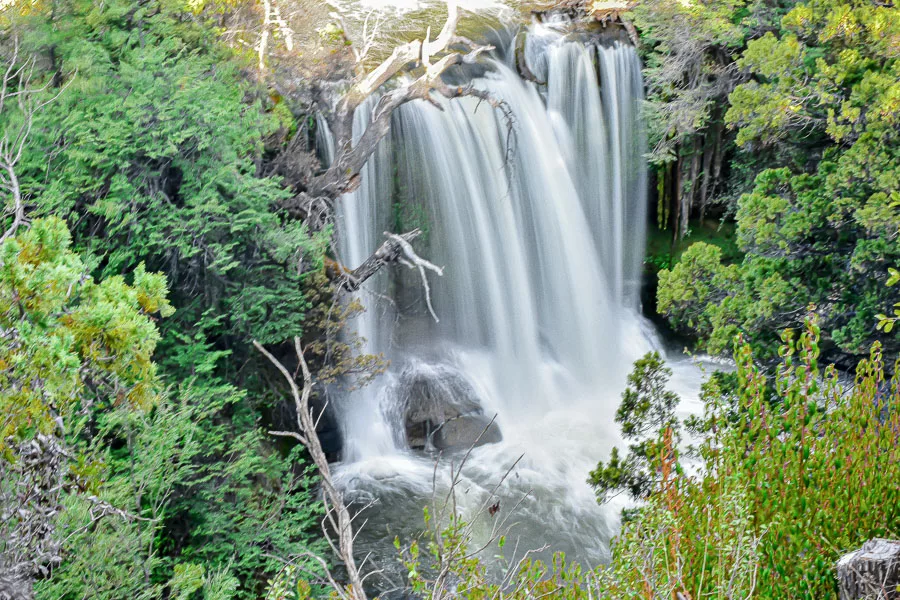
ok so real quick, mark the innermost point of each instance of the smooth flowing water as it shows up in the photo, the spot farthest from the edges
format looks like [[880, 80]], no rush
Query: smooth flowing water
[[538, 216]]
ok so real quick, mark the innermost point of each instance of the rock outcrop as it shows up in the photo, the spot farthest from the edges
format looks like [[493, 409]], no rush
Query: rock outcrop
[[442, 410]]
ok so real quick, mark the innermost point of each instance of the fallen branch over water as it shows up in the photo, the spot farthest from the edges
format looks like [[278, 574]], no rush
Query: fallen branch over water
[[395, 249]]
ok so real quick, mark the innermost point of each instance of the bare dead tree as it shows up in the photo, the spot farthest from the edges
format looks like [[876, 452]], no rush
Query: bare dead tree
[[364, 42], [422, 65], [430, 59], [19, 103], [337, 515], [395, 249], [30, 492], [272, 19], [389, 252]]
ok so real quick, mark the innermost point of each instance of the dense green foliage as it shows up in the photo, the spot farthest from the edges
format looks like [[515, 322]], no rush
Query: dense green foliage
[[155, 152], [817, 120], [72, 349], [154, 129], [70, 341], [818, 464], [691, 51], [160, 241], [796, 471]]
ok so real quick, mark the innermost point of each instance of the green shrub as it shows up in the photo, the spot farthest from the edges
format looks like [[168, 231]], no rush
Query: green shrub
[[796, 472]]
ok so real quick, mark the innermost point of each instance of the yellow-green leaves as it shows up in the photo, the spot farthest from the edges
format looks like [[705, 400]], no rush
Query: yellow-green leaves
[[68, 339], [821, 110], [833, 70], [769, 107], [885, 322]]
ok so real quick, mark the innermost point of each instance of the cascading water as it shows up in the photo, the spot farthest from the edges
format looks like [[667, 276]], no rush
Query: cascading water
[[537, 214], [365, 214]]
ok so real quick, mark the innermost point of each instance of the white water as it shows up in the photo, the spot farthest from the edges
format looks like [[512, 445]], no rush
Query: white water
[[541, 234], [365, 215]]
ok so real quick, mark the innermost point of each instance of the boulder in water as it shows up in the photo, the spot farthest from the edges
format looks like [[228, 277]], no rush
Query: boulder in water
[[465, 431], [442, 409]]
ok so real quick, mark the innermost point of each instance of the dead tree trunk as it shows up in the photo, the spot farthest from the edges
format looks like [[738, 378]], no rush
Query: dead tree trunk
[[694, 181], [712, 162], [343, 174], [337, 515], [391, 251], [871, 573], [680, 200], [719, 155]]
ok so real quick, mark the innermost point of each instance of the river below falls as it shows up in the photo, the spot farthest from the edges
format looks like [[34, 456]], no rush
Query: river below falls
[[536, 477]]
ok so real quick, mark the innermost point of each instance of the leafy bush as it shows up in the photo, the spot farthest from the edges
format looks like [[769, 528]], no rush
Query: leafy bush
[[796, 471], [158, 152]]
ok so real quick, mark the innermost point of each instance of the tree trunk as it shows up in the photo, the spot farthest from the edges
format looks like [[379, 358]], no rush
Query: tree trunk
[[683, 200], [674, 199], [694, 179], [718, 157], [872, 572], [708, 150], [390, 251], [662, 197]]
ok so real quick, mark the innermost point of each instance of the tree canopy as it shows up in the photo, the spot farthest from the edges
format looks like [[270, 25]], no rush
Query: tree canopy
[[819, 227]]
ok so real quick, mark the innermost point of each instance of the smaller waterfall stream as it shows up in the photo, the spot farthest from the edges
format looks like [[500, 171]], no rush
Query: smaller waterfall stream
[[539, 223], [365, 214]]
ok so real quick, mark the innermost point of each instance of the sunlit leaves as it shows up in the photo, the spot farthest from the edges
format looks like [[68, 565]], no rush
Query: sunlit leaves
[[821, 224], [823, 74], [68, 339], [796, 471]]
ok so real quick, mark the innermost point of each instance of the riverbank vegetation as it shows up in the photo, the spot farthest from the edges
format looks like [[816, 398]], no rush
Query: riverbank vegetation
[[798, 468], [166, 205]]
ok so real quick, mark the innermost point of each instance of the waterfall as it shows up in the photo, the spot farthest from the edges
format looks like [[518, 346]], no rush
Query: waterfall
[[363, 215], [537, 215]]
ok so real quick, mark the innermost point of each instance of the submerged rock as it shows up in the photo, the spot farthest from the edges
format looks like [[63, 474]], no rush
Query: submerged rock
[[442, 410]]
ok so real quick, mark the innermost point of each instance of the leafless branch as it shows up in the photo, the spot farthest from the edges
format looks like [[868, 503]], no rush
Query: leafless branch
[[389, 252], [335, 509], [272, 18], [17, 95], [414, 261], [351, 155]]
